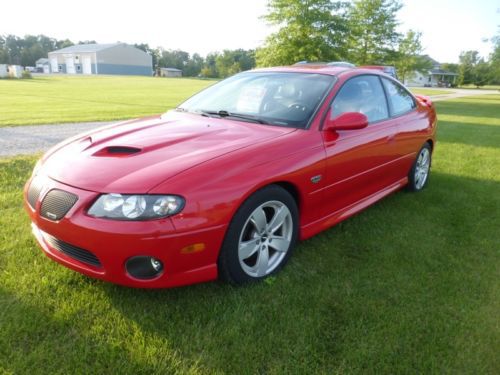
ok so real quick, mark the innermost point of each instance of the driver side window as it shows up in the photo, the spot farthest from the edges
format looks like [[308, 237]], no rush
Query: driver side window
[[362, 94]]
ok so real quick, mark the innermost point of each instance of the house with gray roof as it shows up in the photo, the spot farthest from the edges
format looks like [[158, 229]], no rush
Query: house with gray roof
[[434, 77], [115, 58]]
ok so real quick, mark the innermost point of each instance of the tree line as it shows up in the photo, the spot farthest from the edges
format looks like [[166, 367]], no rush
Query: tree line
[[363, 32]]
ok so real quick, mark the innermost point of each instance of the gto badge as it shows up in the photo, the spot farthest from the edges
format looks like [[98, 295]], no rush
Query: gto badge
[[51, 215]]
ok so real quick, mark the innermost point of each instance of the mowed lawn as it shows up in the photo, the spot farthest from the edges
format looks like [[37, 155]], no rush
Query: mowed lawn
[[411, 285], [61, 99]]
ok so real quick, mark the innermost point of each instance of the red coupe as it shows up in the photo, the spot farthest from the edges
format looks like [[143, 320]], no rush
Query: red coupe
[[225, 184]]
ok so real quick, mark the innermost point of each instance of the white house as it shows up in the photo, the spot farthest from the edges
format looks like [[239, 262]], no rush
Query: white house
[[435, 77]]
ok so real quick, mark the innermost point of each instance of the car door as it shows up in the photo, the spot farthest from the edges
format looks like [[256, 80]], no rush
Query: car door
[[359, 162], [412, 125]]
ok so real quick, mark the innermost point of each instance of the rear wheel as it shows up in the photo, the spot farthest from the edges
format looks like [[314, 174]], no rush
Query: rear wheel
[[419, 173], [261, 236]]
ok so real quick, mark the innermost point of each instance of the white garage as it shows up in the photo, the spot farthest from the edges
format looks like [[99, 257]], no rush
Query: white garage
[[116, 58]]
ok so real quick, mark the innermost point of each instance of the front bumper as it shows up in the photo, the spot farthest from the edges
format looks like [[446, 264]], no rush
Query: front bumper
[[114, 242]]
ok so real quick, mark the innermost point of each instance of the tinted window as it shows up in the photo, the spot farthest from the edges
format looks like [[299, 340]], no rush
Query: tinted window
[[361, 94], [401, 101]]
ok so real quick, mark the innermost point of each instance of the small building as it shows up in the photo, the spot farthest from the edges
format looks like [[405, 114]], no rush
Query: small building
[[4, 73], [42, 65], [170, 72], [116, 58], [435, 77]]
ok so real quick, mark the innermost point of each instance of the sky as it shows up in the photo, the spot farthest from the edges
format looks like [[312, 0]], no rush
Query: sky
[[448, 27]]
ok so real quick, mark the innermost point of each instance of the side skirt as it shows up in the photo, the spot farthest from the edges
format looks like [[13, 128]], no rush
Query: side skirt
[[326, 222]]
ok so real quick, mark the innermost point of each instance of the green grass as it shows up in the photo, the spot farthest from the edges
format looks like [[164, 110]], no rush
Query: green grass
[[411, 285], [430, 92], [60, 99]]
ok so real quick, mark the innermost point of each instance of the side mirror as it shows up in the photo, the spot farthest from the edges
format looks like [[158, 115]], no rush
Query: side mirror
[[346, 121]]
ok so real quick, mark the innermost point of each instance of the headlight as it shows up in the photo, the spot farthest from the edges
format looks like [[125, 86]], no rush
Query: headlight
[[136, 207]]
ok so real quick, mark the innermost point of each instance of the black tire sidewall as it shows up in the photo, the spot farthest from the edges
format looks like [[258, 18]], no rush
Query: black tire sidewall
[[228, 263]]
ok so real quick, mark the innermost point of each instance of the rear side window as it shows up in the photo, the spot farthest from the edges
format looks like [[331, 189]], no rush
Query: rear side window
[[399, 99], [361, 94]]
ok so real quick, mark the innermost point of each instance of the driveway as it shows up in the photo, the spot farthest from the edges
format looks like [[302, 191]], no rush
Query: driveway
[[30, 139], [457, 93]]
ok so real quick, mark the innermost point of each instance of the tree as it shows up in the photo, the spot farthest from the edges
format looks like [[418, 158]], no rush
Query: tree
[[468, 61], [230, 62], [408, 57], [373, 30], [450, 67], [194, 66], [495, 61], [481, 73], [312, 30]]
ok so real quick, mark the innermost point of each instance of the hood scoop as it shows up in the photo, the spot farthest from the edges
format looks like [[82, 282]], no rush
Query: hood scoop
[[118, 151]]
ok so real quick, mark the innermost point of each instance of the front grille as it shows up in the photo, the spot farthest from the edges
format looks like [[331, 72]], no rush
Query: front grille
[[74, 252], [56, 204], [34, 190]]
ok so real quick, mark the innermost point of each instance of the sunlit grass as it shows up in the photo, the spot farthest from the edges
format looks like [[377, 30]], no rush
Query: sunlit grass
[[61, 99], [411, 285]]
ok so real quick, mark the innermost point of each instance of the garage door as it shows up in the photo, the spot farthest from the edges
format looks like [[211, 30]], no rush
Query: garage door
[[53, 65], [87, 65], [70, 65]]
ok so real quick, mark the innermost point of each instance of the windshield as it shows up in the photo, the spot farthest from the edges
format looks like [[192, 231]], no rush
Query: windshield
[[286, 99]]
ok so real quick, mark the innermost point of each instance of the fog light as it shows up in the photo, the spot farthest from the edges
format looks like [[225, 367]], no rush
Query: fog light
[[144, 267]]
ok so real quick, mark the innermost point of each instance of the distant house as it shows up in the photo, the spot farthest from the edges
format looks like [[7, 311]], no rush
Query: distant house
[[116, 58], [170, 72], [435, 77], [42, 65]]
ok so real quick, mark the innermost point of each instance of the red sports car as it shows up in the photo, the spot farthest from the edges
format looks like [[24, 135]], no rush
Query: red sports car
[[225, 184]]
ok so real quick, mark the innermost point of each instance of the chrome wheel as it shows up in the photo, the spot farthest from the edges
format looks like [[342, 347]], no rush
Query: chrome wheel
[[422, 168], [265, 238]]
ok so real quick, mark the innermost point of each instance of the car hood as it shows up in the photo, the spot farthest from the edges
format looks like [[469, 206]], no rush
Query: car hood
[[135, 156]]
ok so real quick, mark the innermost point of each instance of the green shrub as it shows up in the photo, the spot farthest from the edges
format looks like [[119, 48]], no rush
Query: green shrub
[[26, 74]]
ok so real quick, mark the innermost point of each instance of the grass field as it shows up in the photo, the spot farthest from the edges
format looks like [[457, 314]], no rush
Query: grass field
[[60, 99], [411, 285]]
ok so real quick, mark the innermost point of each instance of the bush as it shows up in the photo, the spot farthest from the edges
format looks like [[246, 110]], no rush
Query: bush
[[26, 74]]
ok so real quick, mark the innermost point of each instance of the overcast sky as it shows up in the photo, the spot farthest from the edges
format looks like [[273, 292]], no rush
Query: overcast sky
[[448, 26]]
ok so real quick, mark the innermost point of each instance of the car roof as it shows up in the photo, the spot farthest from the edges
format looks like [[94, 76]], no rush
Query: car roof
[[322, 69]]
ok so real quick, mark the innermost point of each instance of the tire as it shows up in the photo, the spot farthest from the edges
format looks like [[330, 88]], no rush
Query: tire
[[256, 247], [418, 177]]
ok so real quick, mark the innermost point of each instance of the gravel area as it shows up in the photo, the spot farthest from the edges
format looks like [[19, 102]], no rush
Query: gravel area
[[30, 139]]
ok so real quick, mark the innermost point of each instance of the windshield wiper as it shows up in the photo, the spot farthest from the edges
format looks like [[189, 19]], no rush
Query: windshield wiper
[[224, 114]]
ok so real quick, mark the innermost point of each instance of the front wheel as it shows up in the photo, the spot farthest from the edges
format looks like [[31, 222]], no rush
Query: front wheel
[[419, 173], [261, 236]]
